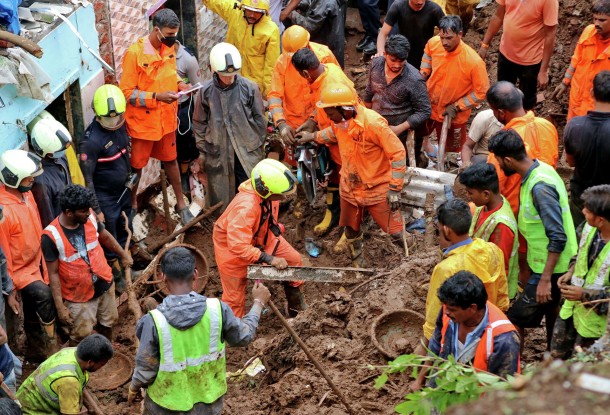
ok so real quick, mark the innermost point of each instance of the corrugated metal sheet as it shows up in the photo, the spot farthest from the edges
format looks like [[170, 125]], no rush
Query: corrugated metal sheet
[[424, 181]]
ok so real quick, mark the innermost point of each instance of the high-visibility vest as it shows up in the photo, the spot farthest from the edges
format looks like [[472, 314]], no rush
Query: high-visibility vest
[[36, 393], [497, 324], [75, 274], [192, 368], [530, 224], [587, 322], [503, 215]]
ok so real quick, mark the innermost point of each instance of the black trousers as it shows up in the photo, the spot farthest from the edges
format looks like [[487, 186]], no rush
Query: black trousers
[[526, 75], [369, 14], [114, 222]]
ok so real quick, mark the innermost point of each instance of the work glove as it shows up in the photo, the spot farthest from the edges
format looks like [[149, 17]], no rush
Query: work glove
[[451, 111], [559, 91], [394, 200], [286, 132], [134, 396], [308, 126]]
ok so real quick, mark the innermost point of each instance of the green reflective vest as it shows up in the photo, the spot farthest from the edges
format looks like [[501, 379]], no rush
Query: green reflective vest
[[192, 366], [36, 394], [588, 323], [503, 215], [530, 224]]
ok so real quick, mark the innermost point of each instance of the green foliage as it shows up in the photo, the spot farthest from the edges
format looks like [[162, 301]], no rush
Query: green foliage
[[456, 383]]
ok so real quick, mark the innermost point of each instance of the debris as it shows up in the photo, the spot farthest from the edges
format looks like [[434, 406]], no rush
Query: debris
[[314, 274], [312, 249]]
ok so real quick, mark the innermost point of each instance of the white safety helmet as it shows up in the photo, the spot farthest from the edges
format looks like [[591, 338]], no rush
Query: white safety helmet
[[49, 136], [225, 59], [16, 165]]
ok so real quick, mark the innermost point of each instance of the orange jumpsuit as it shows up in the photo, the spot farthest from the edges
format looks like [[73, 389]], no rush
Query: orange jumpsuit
[[240, 236], [541, 142], [290, 95], [374, 162], [20, 233], [591, 56]]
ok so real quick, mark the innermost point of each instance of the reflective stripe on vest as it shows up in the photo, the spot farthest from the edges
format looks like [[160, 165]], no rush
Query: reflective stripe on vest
[[505, 216], [169, 365], [588, 323], [490, 335], [40, 378], [62, 249]]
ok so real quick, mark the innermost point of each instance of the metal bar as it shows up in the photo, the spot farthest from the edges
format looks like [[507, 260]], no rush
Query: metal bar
[[340, 275]]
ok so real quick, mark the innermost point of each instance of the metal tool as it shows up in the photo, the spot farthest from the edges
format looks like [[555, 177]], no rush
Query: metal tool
[[132, 179], [347, 275], [312, 168]]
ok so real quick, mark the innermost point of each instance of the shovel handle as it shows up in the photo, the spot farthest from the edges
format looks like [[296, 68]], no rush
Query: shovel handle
[[442, 143]]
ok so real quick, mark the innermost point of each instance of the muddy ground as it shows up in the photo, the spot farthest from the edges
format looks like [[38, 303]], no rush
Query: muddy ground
[[338, 323]]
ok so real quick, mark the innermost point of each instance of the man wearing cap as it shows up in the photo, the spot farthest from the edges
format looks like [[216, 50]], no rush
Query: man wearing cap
[[229, 125], [20, 234]]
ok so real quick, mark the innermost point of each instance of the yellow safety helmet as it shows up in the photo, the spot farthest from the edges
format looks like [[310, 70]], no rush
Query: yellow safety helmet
[[109, 101], [294, 38], [261, 6], [271, 177], [337, 95]]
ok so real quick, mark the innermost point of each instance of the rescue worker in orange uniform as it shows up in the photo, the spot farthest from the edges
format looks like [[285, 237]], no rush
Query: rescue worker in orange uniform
[[374, 166], [20, 233], [150, 84], [248, 233], [81, 279], [457, 82], [290, 102], [591, 56], [254, 34], [472, 330], [320, 77], [539, 135]]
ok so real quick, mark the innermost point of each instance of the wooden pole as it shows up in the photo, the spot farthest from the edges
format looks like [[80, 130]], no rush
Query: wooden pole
[[311, 357], [91, 403], [411, 148], [132, 301], [168, 220], [442, 143]]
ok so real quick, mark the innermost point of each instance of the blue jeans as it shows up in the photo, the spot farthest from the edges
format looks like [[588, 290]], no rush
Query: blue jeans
[[369, 14]]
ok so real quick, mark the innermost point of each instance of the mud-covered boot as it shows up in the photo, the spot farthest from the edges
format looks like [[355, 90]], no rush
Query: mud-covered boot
[[300, 203], [41, 341], [356, 250], [333, 211], [295, 299], [118, 276], [341, 245]]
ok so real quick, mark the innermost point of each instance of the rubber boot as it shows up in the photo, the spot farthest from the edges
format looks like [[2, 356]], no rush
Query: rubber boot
[[299, 203], [104, 331], [333, 211], [118, 275], [356, 250], [42, 341], [341, 245], [295, 299]]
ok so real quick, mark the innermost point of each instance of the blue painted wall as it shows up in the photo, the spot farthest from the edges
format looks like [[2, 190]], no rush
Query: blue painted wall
[[65, 61]]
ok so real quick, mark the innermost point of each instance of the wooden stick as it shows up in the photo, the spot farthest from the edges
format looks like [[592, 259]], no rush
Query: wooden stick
[[429, 218], [440, 161], [91, 402], [26, 44], [311, 357], [132, 301], [411, 148], [168, 220], [404, 235], [8, 392], [154, 247]]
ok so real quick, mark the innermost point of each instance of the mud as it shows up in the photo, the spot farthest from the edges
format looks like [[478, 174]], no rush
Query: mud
[[337, 324]]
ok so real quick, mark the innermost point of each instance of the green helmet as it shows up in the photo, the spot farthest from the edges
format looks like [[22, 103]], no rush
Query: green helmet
[[271, 177], [109, 101]]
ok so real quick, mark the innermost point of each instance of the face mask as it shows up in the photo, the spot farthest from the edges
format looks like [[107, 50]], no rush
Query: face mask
[[59, 154], [112, 123], [23, 189], [168, 41], [343, 125]]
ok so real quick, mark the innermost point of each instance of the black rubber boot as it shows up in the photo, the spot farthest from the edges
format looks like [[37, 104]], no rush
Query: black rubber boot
[[295, 299]]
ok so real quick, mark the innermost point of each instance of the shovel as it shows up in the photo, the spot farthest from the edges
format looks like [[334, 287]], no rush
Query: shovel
[[442, 143]]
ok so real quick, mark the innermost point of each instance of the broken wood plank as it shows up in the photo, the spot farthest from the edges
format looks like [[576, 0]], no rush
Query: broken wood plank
[[338, 275]]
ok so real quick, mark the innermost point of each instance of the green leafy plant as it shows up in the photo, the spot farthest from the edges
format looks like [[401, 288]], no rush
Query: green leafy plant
[[455, 383]]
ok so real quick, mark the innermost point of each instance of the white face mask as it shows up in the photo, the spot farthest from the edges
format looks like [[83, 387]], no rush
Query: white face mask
[[112, 123], [59, 154]]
